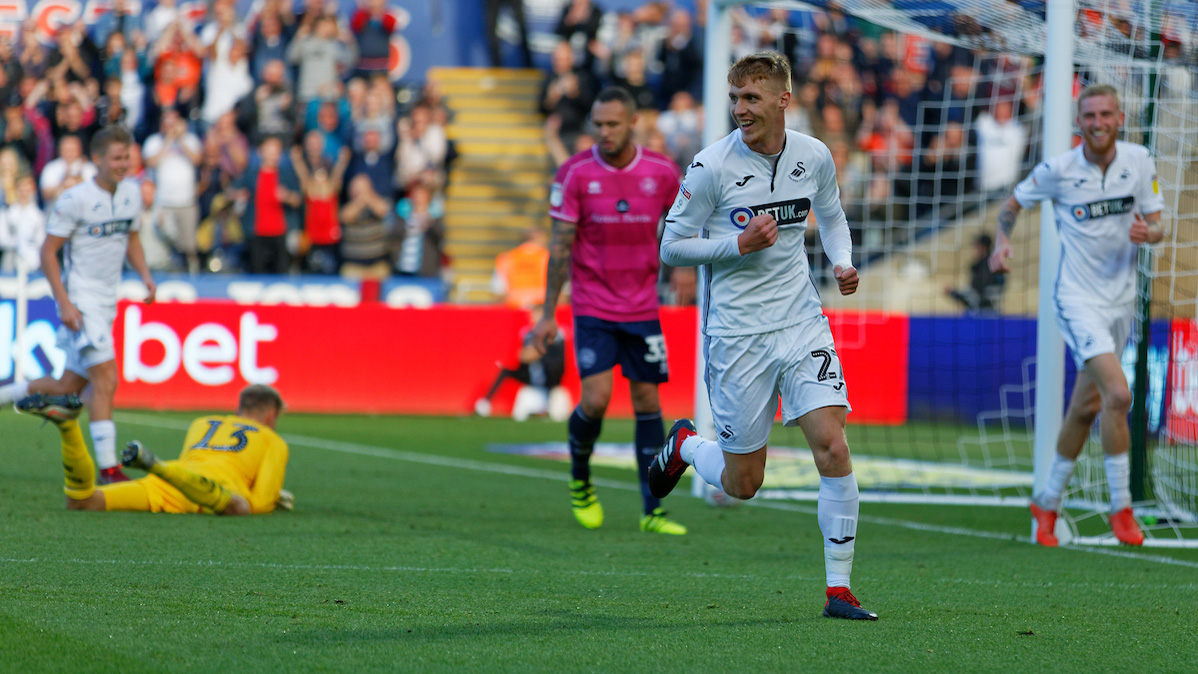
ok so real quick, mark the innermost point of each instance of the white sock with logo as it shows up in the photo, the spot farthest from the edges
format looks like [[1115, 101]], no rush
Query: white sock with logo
[[836, 511], [1118, 477], [104, 441], [708, 460], [13, 392]]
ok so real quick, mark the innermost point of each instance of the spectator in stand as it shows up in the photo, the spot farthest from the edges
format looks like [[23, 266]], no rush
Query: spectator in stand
[[374, 162], [22, 228], [10, 70], [568, 92], [228, 78], [220, 237], [74, 119], [680, 59], [70, 169], [32, 54], [945, 161], [520, 272], [491, 10], [682, 126], [372, 26], [155, 240], [634, 80], [12, 167], [422, 148], [365, 219], [178, 59], [119, 20], [1001, 142], [270, 191], [270, 111], [18, 133], [137, 168], [234, 148], [173, 155], [985, 287], [109, 108], [579, 27], [420, 231], [74, 56], [322, 52], [321, 186], [333, 126], [133, 73], [356, 90], [377, 115], [161, 18], [268, 42]]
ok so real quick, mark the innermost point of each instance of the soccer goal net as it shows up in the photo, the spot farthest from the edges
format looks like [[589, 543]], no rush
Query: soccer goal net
[[933, 110]]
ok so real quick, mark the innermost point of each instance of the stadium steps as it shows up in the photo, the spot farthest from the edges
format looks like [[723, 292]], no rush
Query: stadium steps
[[498, 187]]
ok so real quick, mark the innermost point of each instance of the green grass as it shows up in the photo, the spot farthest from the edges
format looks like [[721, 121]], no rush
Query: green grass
[[394, 563]]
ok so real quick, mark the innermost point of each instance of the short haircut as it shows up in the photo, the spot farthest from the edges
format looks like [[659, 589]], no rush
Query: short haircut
[[259, 398], [109, 136], [767, 65], [617, 94], [1098, 90]]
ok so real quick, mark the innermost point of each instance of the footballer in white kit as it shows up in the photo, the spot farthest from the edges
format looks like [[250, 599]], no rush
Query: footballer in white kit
[[741, 214], [94, 224], [1106, 204]]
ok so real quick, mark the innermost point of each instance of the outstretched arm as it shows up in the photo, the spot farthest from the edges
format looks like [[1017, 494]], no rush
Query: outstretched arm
[[1002, 239]]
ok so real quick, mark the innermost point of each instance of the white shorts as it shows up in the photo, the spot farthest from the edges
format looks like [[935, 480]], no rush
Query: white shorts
[[90, 346], [1090, 331], [747, 375]]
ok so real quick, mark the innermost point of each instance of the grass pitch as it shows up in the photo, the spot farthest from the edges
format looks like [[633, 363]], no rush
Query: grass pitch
[[412, 549]]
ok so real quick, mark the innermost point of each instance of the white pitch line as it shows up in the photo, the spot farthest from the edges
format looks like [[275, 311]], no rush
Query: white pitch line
[[520, 471]]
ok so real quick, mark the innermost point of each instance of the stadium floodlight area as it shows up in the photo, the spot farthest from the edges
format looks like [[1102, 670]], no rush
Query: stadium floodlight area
[[977, 432]]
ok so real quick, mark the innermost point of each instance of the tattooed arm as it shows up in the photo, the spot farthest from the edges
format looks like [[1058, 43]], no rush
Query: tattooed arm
[[560, 245], [1002, 239]]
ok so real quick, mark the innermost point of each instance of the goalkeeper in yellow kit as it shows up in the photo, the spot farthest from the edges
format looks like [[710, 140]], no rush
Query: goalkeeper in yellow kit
[[230, 465]]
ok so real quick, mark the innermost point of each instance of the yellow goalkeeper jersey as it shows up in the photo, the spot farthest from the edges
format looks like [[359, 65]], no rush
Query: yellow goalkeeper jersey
[[240, 454]]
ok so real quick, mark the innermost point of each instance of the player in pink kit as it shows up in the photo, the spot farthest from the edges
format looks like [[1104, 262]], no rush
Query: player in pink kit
[[606, 204]]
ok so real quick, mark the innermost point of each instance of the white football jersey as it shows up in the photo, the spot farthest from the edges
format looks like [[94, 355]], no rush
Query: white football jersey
[[96, 225], [725, 187], [1094, 214]]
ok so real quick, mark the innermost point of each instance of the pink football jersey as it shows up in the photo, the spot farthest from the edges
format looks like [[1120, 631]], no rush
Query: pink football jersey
[[614, 262]]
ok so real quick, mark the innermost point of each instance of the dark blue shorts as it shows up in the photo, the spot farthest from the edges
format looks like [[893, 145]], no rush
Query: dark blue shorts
[[638, 347]]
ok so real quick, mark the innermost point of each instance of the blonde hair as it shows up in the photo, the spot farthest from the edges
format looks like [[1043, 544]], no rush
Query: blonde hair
[[1098, 90], [769, 66]]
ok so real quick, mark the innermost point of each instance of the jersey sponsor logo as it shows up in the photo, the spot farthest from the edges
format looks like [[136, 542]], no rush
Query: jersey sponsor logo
[[786, 212], [741, 217], [621, 206], [798, 172], [556, 198], [101, 229], [1103, 208], [744, 182]]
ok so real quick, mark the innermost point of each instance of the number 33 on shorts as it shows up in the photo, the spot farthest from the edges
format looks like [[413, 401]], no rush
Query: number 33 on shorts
[[656, 344]]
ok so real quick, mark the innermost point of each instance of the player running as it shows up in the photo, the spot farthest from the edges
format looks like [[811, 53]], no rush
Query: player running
[[741, 212], [95, 223], [230, 465], [1107, 203], [606, 203]]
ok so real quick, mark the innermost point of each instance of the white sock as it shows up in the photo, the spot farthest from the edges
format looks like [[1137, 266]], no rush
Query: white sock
[[1118, 477], [13, 392], [708, 461], [689, 445], [1058, 478], [104, 441], [836, 511]]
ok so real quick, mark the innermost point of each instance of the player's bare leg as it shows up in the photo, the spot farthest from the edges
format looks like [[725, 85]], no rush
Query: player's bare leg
[[584, 426], [838, 507], [1107, 374], [103, 382]]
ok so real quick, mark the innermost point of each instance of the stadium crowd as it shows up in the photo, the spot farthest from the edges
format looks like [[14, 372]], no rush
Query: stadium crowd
[[277, 142], [267, 144]]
